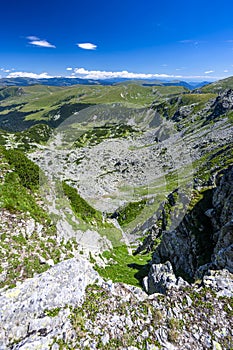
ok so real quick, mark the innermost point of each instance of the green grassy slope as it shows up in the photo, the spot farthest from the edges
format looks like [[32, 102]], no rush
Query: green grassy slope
[[31, 104]]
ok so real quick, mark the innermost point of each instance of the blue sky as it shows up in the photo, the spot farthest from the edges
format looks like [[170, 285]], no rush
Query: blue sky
[[104, 39]]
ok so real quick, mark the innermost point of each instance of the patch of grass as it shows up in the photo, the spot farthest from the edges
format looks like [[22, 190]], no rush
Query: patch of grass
[[23, 251], [130, 211], [175, 327], [230, 117], [123, 267], [15, 197], [52, 312], [198, 99]]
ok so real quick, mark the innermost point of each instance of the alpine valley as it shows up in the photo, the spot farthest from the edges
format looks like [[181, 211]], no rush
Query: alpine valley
[[116, 205]]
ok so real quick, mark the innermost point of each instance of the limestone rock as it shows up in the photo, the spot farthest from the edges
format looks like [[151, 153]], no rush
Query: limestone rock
[[161, 278], [63, 284]]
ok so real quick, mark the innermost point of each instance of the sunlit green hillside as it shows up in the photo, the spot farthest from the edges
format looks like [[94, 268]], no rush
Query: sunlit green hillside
[[21, 107]]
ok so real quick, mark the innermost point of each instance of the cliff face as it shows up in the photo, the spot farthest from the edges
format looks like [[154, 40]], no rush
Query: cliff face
[[221, 217], [203, 241]]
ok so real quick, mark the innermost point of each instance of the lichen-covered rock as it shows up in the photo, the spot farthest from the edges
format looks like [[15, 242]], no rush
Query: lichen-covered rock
[[22, 309]]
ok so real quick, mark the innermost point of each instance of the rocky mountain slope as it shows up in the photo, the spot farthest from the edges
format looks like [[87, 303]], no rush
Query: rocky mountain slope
[[116, 227]]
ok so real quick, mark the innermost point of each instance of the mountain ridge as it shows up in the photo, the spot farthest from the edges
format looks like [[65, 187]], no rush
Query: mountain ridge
[[62, 81]]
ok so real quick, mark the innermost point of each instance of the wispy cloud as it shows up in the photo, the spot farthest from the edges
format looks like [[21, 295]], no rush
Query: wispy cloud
[[69, 68], [29, 75], [181, 68], [34, 40], [87, 46], [191, 42], [209, 71], [188, 41], [226, 71], [42, 43], [32, 37]]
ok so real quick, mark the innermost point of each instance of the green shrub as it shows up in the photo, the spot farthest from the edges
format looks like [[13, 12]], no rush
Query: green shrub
[[81, 208], [28, 172], [37, 133]]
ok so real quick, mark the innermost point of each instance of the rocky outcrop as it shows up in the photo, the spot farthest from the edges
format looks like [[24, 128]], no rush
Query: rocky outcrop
[[24, 310], [51, 312], [59, 309], [219, 280], [161, 279], [222, 104]]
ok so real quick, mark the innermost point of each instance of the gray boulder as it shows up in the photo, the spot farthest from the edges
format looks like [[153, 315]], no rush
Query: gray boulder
[[161, 278]]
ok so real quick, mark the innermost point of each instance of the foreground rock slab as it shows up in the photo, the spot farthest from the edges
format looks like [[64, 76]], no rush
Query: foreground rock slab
[[63, 284]]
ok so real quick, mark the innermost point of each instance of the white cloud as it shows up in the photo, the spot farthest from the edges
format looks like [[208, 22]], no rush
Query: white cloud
[[226, 71], [98, 74], [34, 40], [29, 75], [87, 46], [209, 71], [69, 68], [41, 43]]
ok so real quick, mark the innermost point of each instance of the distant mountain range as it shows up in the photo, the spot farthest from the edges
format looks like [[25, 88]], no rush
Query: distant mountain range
[[49, 81], [78, 81]]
